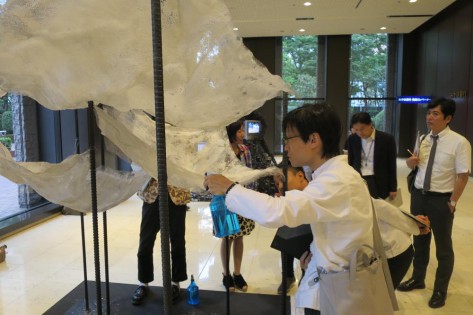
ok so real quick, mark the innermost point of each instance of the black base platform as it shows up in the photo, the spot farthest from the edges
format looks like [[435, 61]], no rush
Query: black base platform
[[211, 302]]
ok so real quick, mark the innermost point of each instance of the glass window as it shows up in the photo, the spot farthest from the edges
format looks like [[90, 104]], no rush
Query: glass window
[[16, 199], [300, 68], [368, 77]]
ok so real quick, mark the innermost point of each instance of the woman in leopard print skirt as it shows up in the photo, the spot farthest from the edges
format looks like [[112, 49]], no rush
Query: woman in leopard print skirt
[[236, 135]]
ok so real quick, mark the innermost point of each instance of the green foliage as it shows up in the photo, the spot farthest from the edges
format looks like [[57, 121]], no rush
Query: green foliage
[[368, 65], [378, 120], [300, 64], [6, 141], [7, 121]]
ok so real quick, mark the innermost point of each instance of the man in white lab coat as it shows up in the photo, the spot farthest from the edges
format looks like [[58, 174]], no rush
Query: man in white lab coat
[[336, 203]]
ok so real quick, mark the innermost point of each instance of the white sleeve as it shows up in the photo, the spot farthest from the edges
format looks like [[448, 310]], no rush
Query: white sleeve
[[393, 216]]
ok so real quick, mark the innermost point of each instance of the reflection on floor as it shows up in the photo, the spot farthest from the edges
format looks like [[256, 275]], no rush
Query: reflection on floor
[[44, 262]]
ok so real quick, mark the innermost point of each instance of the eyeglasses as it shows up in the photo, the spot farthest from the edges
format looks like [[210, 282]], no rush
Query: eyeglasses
[[286, 140]]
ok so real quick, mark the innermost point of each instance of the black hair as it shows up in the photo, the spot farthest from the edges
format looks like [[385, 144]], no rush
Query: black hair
[[319, 118], [232, 130], [447, 106], [361, 117], [293, 169]]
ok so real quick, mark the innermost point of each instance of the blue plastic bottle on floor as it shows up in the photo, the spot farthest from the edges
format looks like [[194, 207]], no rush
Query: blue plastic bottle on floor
[[193, 293], [225, 221]]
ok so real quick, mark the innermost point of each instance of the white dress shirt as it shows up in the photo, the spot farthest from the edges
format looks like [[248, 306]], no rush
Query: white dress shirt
[[452, 157], [336, 204], [367, 154]]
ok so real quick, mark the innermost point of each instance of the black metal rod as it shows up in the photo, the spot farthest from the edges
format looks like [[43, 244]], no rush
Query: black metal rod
[[93, 187], [107, 278], [284, 256], [105, 233], [227, 265], [82, 226], [161, 151], [84, 262]]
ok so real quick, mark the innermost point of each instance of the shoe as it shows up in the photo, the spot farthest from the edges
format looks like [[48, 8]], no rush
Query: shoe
[[289, 284], [228, 283], [175, 293], [438, 299], [410, 285], [240, 283], [140, 293]]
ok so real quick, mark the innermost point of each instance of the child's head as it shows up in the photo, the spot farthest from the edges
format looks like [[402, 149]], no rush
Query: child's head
[[295, 179]]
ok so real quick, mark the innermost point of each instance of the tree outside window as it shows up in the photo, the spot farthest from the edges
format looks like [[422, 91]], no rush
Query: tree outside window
[[368, 76]]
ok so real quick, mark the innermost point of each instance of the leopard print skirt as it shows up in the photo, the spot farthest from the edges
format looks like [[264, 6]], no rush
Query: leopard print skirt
[[246, 226]]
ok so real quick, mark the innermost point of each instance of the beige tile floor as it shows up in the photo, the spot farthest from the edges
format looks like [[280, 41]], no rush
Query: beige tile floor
[[44, 262]]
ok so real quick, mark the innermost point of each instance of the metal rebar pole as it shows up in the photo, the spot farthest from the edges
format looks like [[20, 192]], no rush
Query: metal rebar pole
[[82, 225], [161, 151], [284, 256], [227, 263], [105, 234], [93, 187]]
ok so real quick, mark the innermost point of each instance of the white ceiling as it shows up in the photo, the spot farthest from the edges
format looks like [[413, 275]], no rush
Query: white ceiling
[[259, 18]]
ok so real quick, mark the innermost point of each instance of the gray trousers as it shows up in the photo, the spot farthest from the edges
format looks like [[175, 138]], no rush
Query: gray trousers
[[435, 206]]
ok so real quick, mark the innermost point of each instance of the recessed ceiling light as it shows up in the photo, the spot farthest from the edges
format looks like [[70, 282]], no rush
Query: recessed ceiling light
[[235, 28], [382, 28], [412, 1], [307, 4], [302, 30]]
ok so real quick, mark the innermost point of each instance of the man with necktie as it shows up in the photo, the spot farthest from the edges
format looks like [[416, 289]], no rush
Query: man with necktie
[[444, 164]]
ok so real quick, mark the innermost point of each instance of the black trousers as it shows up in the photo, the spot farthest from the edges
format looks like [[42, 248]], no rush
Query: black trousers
[[372, 187], [309, 311], [150, 226], [441, 222], [399, 265]]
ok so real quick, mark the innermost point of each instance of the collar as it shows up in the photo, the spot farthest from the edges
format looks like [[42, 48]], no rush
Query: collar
[[327, 164], [442, 133], [373, 134]]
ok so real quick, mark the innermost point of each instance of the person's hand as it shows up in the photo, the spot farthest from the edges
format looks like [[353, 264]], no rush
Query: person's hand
[[279, 183], [451, 208], [422, 228], [412, 161], [217, 184], [305, 259], [392, 195]]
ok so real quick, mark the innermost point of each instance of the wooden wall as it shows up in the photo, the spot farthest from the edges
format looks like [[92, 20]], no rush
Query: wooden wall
[[439, 59]]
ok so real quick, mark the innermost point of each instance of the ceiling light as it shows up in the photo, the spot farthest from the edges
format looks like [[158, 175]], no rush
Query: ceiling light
[[382, 28], [235, 28], [302, 30], [412, 1], [307, 4]]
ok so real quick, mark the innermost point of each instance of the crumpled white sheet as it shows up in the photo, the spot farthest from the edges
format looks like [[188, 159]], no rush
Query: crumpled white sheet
[[64, 53], [68, 183], [186, 165]]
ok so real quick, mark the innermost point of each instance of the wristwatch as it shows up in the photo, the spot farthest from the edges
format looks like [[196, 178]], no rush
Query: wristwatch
[[452, 203]]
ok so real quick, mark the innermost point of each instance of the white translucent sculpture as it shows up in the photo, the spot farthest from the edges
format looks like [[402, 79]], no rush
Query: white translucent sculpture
[[64, 53]]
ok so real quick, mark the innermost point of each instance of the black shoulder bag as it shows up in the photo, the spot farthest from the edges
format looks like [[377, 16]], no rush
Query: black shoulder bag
[[411, 177]]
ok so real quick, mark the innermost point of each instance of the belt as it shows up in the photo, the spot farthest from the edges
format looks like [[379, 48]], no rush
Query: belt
[[433, 193]]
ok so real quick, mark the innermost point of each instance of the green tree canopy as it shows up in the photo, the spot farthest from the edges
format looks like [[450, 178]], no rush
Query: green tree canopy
[[299, 67], [7, 121]]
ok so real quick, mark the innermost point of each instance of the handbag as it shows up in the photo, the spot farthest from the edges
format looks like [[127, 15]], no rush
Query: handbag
[[411, 178], [364, 288], [293, 241]]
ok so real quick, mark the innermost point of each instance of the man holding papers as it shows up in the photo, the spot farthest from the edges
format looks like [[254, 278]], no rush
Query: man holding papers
[[444, 163]]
